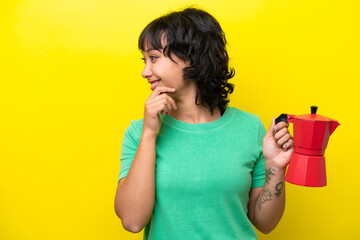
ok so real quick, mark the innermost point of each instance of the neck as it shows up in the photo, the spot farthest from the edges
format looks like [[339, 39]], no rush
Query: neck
[[188, 111]]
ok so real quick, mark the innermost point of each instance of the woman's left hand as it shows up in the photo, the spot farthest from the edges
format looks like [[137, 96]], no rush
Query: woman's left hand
[[278, 145]]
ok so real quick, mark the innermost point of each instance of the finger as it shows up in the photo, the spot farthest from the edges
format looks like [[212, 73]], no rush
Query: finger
[[159, 99], [289, 144], [172, 102], [166, 99], [167, 108], [160, 90], [270, 132], [286, 146], [161, 108], [155, 107], [281, 125], [283, 142], [279, 134]]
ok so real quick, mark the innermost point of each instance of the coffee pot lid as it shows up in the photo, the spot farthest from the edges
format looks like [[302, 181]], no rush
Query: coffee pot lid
[[314, 117]]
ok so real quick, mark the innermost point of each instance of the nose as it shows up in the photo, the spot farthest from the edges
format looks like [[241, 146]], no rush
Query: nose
[[146, 73]]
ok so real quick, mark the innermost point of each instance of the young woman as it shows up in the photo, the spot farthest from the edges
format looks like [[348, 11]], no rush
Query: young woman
[[193, 167]]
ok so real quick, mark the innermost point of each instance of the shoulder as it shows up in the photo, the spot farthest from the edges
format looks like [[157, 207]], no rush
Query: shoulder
[[136, 124], [245, 117], [248, 120], [134, 130]]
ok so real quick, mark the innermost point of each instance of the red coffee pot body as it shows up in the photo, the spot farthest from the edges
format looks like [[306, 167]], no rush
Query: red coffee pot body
[[311, 136]]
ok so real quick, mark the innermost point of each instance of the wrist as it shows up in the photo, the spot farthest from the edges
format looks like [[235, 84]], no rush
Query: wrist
[[278, 169], [148, 135]]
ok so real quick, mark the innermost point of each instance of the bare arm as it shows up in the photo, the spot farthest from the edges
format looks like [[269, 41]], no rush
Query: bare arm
[[135, 195], [267, 204]]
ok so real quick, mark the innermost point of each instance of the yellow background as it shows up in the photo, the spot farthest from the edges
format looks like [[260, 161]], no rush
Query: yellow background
[[71, 82]]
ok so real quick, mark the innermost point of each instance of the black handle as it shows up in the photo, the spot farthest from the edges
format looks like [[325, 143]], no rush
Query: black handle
[[313, 109], [282, 118]]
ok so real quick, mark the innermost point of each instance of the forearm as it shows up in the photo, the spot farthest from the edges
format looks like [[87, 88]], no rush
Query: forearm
[[135, 201], [271, 202]]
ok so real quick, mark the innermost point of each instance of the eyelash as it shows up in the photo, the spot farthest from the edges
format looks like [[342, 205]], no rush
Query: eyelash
[[152, 58]]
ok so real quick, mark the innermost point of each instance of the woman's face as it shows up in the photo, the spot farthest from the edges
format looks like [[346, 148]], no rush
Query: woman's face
[[162, 71]]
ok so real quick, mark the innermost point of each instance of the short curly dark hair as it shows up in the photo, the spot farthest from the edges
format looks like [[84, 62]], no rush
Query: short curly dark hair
[[196, 36]]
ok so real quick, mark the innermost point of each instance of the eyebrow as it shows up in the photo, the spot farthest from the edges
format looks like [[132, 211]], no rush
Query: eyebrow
[[150, 49]]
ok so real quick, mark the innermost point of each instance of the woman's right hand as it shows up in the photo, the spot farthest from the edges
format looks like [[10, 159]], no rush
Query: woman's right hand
[[158, 102]]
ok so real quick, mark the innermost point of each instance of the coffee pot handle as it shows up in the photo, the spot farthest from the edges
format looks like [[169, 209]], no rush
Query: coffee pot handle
[[282, 118]]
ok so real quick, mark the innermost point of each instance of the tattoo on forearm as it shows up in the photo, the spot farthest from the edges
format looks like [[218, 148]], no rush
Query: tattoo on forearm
[[266, 194], [269, 172], [264, 197], [278, 188]]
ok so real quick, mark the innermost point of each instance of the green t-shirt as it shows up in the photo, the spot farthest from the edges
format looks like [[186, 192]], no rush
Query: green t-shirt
[[203, 176]]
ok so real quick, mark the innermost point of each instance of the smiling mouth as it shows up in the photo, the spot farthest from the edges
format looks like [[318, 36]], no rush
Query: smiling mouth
[[154, 84]]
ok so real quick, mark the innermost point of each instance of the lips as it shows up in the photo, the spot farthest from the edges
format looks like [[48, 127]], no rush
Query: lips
[[154, 84]]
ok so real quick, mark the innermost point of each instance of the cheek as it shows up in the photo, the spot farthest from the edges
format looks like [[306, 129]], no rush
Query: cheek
[[165, 72], [157, 72], [161, 70], [176, 71]]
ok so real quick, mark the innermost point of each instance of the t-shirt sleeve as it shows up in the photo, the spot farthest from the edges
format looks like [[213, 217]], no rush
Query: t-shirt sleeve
[[258, 174], [129, 146]]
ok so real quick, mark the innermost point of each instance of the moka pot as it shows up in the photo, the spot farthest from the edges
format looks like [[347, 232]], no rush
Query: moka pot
[[311, 136]]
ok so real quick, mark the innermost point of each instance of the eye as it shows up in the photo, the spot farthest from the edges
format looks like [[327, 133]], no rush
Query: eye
[[153, 58], [143, 60]]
